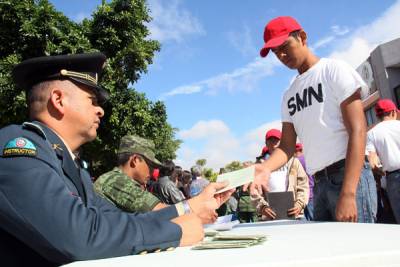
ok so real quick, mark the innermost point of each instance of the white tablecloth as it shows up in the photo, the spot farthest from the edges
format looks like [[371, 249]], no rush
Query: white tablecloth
[[289, 244]]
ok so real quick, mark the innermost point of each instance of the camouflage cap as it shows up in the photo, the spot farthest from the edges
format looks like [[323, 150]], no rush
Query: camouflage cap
[[138, 145]]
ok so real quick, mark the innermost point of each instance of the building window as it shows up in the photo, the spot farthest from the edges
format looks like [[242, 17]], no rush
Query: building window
[[397, 94]]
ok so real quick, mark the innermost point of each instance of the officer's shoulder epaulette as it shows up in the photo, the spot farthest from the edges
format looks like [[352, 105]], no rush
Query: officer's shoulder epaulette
[[34, 127]]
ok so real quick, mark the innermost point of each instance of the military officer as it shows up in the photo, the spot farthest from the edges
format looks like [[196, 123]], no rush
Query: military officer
[[125, 185], [49, 214]]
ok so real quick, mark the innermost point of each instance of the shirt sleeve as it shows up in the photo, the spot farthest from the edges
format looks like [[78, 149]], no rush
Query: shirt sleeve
[[370, 147], [126, 195], [175, 194], [302, 185], [345, 81], [55, 222]]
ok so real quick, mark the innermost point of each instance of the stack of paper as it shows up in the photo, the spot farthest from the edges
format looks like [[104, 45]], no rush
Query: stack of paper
[[223, 223], [231, 241]]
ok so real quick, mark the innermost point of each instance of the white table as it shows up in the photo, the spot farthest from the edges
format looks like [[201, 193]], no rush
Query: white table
[[289, 244]]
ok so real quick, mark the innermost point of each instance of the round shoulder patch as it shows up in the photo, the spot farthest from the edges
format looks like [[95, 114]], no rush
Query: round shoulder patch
[[19, 146]]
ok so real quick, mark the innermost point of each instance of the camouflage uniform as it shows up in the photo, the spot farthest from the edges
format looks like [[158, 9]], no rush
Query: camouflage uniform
[[246, 210], [122, 190], [125, 192]]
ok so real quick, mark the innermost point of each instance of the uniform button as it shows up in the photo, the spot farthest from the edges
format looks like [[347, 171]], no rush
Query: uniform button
[[170, 249], [144, 252], [157, 250]]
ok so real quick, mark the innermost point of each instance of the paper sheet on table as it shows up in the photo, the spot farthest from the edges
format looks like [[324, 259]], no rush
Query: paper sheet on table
[[223, 223], [236, 178]]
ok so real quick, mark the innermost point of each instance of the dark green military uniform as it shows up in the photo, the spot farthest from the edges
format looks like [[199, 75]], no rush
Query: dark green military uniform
[[125, 192], [49, 214], [246, 210]]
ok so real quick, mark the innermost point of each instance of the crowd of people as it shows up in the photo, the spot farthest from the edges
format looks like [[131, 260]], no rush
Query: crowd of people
[[52, 213]]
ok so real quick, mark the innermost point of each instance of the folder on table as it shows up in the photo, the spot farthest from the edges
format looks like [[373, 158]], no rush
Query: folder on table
[[280, 202]]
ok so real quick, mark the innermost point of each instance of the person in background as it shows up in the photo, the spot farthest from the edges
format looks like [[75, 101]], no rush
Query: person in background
[[263, 156], [290, 177], [198, 182], [167, 186], [383, 146], [308, 211], [186, 180], [125, 185]]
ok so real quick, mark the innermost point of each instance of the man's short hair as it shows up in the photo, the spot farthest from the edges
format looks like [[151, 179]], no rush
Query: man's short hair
[[196, 171], [37, 97], [167, 169], [295, 34], [123, 158], [186, 176], [176, 174]]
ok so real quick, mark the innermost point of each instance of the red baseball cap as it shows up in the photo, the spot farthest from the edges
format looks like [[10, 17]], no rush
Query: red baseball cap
[[277, 31], [155, 174], [384, 106], [273, 133], [299, 147]]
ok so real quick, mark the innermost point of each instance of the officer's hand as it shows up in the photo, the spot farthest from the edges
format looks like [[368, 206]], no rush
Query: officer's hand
[[260, 183], [192, 229], [205, 204]]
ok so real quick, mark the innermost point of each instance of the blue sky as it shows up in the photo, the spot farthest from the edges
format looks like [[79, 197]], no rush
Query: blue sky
[[219, 93]]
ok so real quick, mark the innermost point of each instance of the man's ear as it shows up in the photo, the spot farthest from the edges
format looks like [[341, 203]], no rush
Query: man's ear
[[303, 37], [58, 100], [132, 161]]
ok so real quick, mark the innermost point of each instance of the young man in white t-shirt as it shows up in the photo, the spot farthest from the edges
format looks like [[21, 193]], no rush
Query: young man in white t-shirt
[[383, 146], [323, 107]]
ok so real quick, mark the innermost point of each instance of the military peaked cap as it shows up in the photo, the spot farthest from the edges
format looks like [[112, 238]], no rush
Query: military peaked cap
[[80, 68]]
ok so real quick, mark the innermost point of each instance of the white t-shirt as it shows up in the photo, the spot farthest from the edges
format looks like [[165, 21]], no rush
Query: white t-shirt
[[384, 140], [312, 105], [278, 180]]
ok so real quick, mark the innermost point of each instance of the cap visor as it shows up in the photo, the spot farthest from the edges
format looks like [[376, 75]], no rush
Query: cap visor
[[155, 161], [101, 94], [275, 42]]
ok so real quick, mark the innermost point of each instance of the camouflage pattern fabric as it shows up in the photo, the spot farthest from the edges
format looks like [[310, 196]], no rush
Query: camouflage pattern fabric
[[124, 192], [246, 210], [137, 145]]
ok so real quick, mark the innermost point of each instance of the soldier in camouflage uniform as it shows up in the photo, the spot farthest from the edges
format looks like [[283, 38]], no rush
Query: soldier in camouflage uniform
[[246, 211], [125, 185]]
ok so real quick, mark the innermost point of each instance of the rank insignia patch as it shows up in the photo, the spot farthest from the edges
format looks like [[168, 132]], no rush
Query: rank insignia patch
[[19, 146]]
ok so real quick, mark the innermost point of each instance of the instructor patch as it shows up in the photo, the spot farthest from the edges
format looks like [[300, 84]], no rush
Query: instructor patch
[[19, 146]]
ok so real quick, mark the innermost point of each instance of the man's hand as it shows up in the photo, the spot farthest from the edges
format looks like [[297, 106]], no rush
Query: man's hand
[[260, 183], [192, 229], [268, 213], [295, 211], [205, 204], [346, 208]]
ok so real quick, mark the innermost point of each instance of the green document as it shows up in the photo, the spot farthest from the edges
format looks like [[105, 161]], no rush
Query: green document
[[236, 178]]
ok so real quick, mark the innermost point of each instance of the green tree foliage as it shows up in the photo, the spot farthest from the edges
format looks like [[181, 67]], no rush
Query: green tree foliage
[[34, 28], [233, 166], [210, 175], [201, 163]]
